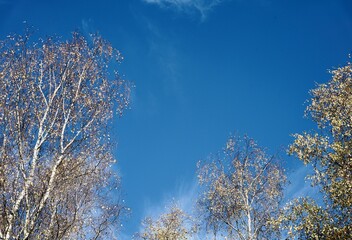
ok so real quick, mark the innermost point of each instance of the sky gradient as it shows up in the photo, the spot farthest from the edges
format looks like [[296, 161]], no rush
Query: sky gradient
[[203, 69]]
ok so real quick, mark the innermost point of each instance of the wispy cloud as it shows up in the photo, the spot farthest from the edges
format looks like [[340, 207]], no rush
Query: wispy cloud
[[299, 185], [184, 196], [87, 26], [164, 52], [203, 7]]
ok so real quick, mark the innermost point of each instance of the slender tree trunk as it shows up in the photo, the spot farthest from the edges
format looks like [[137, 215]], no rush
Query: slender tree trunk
[[249, 219]]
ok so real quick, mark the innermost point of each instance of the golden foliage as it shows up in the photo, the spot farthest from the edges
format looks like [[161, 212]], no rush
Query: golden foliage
[[329, 151], [175, 224], [56, 100], [242, 191]]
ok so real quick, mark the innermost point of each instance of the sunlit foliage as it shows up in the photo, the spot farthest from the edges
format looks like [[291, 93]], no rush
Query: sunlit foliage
[[174, 224], [241, 191], [329, 151], [56, 101]]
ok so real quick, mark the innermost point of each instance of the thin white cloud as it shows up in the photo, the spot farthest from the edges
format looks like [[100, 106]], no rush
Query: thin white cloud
[[163, 51], [87, 26], [299, 185], [184, 196], [201, 6]]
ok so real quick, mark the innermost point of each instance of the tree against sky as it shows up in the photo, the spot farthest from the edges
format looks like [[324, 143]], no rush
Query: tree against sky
[[174, 224], [56, 102], [329, 151], [242, 191]]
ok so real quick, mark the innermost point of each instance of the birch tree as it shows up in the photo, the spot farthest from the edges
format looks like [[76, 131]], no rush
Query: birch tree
[[174, 224], [329, 152], [56, 102], [242, 190]]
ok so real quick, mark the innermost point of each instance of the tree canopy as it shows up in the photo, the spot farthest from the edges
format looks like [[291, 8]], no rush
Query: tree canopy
[[56, 102], [329, 151], [242, 191], [174, 224]]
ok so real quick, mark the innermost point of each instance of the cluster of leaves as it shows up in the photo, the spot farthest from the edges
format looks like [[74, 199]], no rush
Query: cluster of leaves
[[56, 101], [329, 151], [175, 224], [242, 191]]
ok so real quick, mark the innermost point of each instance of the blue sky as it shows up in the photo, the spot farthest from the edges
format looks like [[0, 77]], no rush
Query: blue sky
[[203, 69]]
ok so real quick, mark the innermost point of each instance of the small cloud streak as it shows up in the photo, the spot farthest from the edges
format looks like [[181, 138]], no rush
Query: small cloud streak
[[87, 26], [184, 197], [300, 186], [163, 51], [188, 6]]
